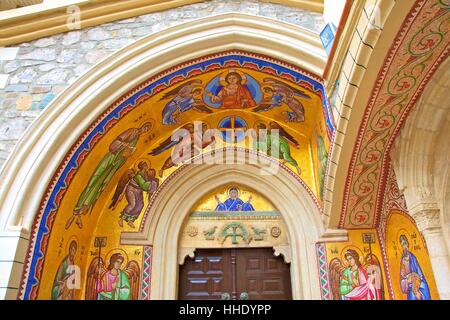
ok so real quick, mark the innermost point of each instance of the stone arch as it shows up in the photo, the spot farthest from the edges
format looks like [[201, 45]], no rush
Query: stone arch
[[291, 198], [421, 164]]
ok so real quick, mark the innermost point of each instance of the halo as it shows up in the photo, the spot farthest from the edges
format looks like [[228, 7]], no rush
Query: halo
[[72, 238], [259, 122], [147, 120], [224, 75], [233, 187], [146, 160], [406, 233], [113, 251], [360, 253]]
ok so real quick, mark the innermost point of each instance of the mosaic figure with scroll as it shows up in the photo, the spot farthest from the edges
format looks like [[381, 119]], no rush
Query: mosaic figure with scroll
[[412, 279], [60, 289]]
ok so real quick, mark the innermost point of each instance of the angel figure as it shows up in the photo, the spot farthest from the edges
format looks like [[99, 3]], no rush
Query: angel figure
[[356, 282], [185, 146], [276, 145], [280, 92], [182, 100], [120, 149], [132, 184], [113, 283]]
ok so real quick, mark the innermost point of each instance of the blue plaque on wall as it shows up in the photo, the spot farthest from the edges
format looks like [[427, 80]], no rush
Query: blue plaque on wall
[[327, 37]]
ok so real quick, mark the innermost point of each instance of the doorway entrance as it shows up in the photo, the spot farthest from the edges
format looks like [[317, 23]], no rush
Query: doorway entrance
[[235, 274]]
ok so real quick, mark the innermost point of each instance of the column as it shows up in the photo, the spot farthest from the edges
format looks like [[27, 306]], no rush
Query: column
[[428, 221]]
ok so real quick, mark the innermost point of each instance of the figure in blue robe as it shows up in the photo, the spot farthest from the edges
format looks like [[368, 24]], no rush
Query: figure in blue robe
[[182, 100], [175, 106], [234, 203], [412, 279]]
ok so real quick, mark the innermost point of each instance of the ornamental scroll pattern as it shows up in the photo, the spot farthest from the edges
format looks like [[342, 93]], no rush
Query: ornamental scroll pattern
[[393, 199], [419, 48]]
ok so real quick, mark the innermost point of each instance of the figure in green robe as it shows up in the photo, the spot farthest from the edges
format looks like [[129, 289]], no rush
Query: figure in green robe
[[115, 284], [119, 151], [60, 288], [276, 145], [133, 185]]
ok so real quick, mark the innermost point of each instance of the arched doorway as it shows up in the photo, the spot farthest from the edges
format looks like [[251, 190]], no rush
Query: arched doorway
[[230, 239], [164, 228]]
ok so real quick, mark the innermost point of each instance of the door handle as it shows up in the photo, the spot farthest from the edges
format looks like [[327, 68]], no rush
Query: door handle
[[243, 296], [225, 296]]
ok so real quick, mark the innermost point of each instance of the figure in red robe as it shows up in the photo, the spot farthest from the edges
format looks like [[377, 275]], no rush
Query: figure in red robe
[[234, 94]]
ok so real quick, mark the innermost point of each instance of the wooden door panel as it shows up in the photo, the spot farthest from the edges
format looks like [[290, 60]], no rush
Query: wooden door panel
[[255, 271], [262, 275], [205, 276]]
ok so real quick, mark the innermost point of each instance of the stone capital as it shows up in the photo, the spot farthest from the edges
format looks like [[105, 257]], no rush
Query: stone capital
[[427, 217]]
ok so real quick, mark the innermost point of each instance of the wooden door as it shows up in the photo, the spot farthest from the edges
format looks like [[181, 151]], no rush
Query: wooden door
[[262, 276], [255, 274], [206, 276]]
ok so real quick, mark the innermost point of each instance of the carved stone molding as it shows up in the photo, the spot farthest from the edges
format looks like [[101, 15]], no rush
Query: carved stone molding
[[185, 252], [284, 251], [428, 220]]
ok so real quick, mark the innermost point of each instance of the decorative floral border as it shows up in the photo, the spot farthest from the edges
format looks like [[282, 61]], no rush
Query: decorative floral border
[[419, 48], [46, 214]]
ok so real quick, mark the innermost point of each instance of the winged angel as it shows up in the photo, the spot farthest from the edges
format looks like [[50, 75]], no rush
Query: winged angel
[[183, 98], [279, 93], [112, 283], [356, 282]]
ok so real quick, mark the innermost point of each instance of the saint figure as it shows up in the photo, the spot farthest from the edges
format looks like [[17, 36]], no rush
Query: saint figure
[[234, 94], [356, 283], [60, 289], [234, 203], [412, 279]]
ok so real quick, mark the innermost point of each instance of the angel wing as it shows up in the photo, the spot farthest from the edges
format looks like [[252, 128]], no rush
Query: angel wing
[[265, 105], [286, 89], [201, 108], [284, 133], [133, 272], [373, 267], [186, 86], [169, 143], [334, 273], [120, 188], [95, 272]]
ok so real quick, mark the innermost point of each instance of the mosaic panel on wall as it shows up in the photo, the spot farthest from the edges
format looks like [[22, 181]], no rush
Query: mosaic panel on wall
[[122, 163]]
